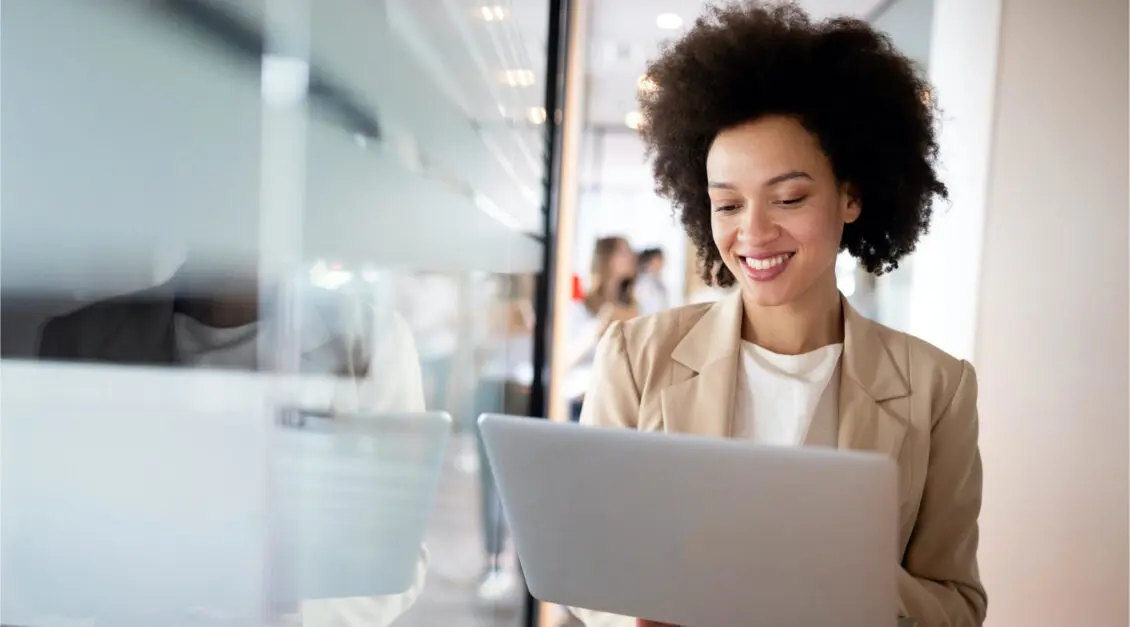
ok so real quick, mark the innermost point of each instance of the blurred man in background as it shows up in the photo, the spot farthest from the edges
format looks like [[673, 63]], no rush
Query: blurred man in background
[[651, 293]]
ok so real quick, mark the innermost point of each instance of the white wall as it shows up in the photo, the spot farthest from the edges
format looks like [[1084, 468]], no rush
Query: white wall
[[945, 269], [618, 199], [1052, 321], [908, 24], [645, 220], [1041, 177]]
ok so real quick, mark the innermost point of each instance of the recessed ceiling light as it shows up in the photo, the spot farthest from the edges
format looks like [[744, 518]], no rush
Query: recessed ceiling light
[[644, 83], [493, 13], [536, 115], [669, 21], [633, 120], [518, 78]]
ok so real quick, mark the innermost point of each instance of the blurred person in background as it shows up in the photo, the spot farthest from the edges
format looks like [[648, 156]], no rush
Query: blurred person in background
[[504, 380], [610, 298], [651, 292], [431, 304], [209, 315], [782, 141]]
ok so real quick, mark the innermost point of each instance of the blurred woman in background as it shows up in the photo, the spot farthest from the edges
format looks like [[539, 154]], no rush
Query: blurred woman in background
[[610, 298]]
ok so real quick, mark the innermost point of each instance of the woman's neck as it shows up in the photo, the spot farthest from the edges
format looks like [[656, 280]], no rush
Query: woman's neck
[[806, 324], [611, 291]]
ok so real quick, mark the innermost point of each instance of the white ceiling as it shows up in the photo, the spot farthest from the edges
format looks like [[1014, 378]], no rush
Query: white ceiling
[[624, 37]]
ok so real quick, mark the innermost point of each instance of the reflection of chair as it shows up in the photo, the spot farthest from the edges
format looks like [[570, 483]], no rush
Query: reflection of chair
[[142, 493], [351, 498]]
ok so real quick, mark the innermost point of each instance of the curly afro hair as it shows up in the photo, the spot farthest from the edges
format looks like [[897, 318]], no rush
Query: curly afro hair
[[867, 105]]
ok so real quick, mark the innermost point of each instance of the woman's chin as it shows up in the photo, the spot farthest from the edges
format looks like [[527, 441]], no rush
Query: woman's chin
[[770, 294]]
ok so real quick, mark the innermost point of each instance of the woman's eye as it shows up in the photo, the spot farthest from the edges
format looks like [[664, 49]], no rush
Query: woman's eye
[[725, 208], [792, 201]]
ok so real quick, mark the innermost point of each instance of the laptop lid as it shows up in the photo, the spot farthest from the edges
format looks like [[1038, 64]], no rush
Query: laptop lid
[[698, 531]]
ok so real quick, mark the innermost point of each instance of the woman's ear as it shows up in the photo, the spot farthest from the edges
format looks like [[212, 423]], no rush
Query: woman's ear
[[850, 204]]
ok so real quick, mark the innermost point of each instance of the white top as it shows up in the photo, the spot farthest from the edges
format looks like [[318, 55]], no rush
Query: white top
[[580, 324], [431, 305], [788, 400]]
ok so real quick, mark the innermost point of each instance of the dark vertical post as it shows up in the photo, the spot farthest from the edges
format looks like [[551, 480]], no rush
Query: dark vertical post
[[556, 65]]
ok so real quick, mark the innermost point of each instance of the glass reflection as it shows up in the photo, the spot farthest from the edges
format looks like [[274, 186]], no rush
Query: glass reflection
[[246, 247]]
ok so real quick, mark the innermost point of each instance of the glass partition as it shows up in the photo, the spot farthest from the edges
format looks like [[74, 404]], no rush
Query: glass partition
[[263, 263]]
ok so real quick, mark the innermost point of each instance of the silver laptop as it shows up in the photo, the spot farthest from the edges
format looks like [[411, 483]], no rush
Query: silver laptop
[[138, 496], [695, 531]]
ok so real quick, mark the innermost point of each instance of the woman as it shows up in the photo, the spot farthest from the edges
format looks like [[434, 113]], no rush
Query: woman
[[609, 299], [782, 142]]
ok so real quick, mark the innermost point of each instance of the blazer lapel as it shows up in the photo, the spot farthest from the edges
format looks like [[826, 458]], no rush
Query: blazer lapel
[[870, 377], [701, 397]]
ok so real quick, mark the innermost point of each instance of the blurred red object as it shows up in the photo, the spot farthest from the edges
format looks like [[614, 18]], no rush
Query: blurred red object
[[578, 289]]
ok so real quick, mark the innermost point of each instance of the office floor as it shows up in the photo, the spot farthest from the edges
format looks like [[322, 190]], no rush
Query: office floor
[[450, 596]]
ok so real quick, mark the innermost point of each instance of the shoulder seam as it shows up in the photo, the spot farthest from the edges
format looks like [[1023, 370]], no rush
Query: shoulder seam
[[965, 368]]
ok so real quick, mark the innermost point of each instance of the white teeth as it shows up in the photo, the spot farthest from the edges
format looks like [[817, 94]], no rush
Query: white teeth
[[765, 264]]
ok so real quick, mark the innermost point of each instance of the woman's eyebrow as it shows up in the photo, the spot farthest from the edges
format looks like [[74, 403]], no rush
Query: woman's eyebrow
[[780, 178]]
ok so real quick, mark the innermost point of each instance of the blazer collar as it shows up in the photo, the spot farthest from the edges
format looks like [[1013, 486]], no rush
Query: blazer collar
[[868, 360], [701, 399], [716, 335]]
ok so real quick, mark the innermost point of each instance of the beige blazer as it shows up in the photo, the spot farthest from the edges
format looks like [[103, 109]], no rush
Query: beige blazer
[[676, 372]]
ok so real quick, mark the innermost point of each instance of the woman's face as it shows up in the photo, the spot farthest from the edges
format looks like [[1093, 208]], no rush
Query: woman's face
[[622, 264], [777, 211]]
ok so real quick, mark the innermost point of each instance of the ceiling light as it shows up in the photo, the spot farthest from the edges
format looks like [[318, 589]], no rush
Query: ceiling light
[[644, 83], [669, 21], [536, 115], [518, 78], [633, 120], [493, 13], [284, 80]]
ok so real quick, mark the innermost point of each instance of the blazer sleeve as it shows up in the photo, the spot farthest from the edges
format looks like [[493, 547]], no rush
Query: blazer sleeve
[[612, 400], [939, 584]]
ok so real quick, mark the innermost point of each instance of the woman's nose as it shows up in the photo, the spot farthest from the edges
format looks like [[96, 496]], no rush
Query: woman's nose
[[759, 228]]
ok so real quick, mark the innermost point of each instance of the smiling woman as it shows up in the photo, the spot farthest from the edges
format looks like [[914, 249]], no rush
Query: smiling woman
[[783, 142]]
